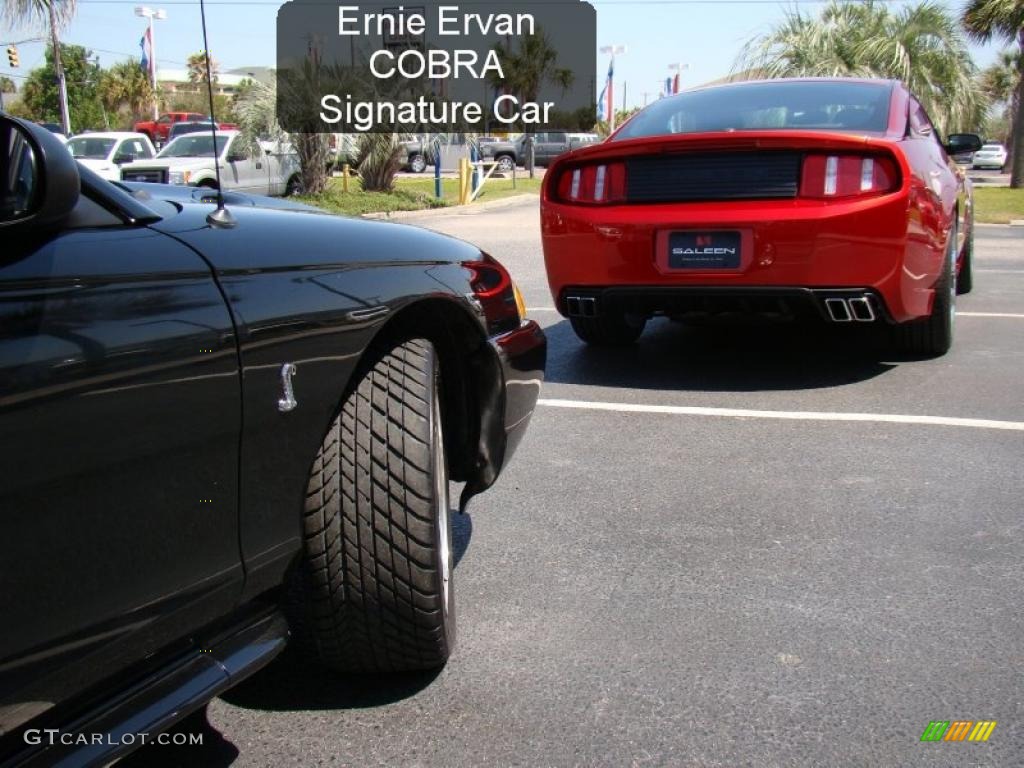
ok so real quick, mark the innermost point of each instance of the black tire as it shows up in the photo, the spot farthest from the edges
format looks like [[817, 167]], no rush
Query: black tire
[[417, 163], [965, 277], [608, 330], [374, 591], [294, 186], [505, 163], [933, 335]]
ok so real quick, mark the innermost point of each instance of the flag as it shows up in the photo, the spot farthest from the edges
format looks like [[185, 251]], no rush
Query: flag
[[606, 100], [148, 63]]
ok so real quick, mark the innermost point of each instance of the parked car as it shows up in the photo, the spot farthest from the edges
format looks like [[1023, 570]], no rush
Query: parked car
[[506, 153], [105, 153], [190, 126], [990, 156], [159, 129], [550, 145], [220, 439], [189, 160], [833, 198]]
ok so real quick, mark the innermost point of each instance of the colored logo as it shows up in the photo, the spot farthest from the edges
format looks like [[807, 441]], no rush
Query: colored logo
[[958, 730]]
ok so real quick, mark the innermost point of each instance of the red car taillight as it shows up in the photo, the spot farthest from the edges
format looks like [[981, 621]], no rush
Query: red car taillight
[[597, 184], [831, 176], [498, 296]]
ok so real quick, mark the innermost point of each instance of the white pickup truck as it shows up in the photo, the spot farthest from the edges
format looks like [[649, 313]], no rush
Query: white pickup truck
[[189, 160]]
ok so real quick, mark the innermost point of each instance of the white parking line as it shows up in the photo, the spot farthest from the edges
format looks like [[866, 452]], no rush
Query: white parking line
[[741, 413], [990, 314]]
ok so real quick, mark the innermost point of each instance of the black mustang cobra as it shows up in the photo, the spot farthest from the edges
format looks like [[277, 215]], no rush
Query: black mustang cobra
[[218, 436]]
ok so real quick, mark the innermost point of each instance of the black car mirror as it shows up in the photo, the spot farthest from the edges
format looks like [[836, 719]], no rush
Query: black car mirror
[[236, 157], [122, 158], [39, 183], [961, 143]]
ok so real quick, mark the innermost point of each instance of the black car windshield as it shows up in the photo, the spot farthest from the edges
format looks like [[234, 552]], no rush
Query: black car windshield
[[769, 105], [90, 149], [193, 146]]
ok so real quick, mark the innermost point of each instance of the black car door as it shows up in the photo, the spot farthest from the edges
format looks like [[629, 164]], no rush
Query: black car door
[[119, 425]]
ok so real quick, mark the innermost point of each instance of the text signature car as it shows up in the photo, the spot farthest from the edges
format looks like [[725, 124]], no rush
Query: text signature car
[[832, 198], [222, 430]]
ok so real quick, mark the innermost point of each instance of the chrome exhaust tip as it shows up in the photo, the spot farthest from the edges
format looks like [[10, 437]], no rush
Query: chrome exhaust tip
[[838, 310], [581, 306], [862, 310]]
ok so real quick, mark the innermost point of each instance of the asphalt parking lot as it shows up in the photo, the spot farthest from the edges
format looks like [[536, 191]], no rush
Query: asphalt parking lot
[[668, 586]]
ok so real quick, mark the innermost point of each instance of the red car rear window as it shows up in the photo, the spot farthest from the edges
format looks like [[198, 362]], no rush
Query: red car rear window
[[768, 105]]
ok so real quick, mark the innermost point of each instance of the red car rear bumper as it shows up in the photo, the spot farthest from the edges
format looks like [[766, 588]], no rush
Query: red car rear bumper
[[876, 245]]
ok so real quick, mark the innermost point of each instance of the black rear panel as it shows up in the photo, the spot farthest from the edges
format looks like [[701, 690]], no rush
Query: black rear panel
[[713, 176]]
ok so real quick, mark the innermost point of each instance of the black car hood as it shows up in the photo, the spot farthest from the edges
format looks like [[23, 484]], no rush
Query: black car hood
[[175, 193], [276, 238]]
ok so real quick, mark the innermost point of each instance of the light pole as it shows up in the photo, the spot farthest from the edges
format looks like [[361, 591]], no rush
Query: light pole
[[159, 14], [614, 50], [678, 68]]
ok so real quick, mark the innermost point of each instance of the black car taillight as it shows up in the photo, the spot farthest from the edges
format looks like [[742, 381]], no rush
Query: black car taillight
[[499, 298], [833, 176], [594, 184]]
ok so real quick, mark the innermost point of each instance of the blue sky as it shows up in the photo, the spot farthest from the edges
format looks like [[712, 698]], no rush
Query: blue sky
[[705, 34]]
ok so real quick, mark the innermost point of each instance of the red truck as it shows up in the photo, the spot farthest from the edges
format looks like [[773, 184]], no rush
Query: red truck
[[157, 130]]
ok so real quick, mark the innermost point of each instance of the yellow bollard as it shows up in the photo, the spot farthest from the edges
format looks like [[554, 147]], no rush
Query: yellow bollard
[[344, 178], [463, 175]]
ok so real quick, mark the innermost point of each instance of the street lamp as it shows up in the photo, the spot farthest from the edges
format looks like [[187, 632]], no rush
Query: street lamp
[[159, 14], [614, 50], [678, 68]]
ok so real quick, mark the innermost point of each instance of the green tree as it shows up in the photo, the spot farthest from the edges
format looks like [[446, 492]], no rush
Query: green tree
[[984, 21], [83, 76], [126, 87], [7, 85], [921, 45]]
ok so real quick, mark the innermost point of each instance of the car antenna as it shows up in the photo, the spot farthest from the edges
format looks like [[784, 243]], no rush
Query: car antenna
[[221, 217]]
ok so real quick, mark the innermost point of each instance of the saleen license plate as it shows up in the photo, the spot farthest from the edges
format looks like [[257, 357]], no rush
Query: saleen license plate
[[704, 250]]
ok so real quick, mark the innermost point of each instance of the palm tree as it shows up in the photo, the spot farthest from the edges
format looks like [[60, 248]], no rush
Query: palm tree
[[1004, 19], [39, 13], [126, 85], [526, 70], [999, 84], [197, 72], [922, 45], [18, 13]]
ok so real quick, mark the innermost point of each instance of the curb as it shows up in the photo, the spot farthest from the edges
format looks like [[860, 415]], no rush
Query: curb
[[454, 210]]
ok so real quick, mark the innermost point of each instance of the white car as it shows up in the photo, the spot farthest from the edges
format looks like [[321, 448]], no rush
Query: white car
[[105, 153], [188, 160], [989, 156]]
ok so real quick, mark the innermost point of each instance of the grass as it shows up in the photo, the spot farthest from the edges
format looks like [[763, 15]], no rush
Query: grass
[[411, 195], [998, 205]]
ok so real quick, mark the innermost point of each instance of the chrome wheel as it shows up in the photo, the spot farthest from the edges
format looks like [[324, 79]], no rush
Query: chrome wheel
[[441, 501]]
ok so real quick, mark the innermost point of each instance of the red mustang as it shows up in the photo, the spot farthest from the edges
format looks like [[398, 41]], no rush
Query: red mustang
[[834, 198]]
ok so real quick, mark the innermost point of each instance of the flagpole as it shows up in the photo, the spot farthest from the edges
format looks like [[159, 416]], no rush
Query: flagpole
[[152, 15]]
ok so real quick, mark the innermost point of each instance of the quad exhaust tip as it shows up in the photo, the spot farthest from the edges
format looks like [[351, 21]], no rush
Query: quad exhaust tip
[[857, 310], [581, 306]]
